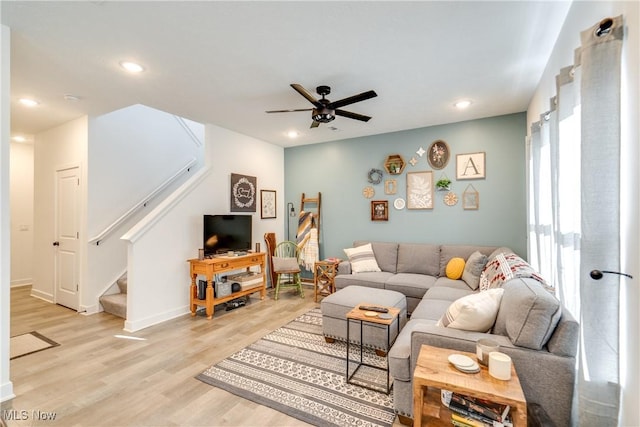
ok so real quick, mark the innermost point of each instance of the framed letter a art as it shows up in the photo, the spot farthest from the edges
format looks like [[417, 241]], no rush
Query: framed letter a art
[[470, 166]]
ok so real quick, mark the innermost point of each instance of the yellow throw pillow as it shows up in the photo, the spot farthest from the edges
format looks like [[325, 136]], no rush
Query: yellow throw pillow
[[455, 268]]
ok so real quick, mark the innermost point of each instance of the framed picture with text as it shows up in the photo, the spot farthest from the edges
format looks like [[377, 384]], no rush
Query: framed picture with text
[[267, 204], [470, 166]]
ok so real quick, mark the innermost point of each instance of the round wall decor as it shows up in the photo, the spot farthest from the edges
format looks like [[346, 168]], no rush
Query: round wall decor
[[399, 203], [450, 199], [375, 176], [368, 192]]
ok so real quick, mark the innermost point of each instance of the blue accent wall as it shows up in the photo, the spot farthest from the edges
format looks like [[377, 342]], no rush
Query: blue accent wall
[[339, 170]]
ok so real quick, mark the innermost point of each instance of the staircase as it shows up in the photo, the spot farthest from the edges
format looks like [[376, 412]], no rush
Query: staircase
[[116, 304]]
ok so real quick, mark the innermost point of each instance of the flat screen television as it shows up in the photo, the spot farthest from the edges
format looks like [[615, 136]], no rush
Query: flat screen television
[[223, 233]]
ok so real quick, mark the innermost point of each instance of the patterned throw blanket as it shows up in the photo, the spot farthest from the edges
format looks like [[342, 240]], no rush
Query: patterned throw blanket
[[506, 266], [307, 239]]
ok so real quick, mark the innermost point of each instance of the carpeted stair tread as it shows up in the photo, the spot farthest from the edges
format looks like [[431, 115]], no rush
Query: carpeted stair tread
[[115, 304], [122, 284]]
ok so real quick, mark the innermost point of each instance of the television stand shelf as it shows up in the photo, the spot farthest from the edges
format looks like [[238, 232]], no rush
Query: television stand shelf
[[211, 266]]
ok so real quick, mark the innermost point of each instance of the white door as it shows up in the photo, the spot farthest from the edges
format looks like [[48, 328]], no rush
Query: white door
[[67, 264]]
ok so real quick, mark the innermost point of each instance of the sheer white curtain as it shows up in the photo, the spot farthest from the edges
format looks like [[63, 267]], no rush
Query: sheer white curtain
[[574, 210]]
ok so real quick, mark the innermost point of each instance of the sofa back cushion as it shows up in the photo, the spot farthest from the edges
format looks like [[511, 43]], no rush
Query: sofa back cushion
[[419, 259], [460, 251], [386, 254], [528, 314]]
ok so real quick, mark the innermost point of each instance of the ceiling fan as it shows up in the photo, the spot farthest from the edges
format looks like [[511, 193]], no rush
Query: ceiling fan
[[324, 110]]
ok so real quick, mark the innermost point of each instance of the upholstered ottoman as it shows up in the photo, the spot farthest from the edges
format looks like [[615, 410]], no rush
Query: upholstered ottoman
[[336, 306]]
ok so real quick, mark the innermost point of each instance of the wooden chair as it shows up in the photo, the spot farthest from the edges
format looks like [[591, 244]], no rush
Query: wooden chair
[[286, 264]]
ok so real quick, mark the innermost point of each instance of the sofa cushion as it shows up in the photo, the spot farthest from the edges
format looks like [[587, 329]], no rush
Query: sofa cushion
[[448, 283], [369, 279], [473, 269], [419, 259], [462, 251], [455, 268], [474, 312], [386, 254], [412, 285], [362, 259], [528, 314]]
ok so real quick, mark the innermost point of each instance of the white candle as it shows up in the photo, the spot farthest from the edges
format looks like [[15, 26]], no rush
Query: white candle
[[499, 365]]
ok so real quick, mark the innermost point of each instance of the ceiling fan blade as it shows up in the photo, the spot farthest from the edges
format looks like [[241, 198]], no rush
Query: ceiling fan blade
[[352, 99], [314, 124], [302, 91], [289, 111], [351, 115]]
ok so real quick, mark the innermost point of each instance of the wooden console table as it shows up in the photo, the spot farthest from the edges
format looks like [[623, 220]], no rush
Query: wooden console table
[[434, 372], [209, 267]]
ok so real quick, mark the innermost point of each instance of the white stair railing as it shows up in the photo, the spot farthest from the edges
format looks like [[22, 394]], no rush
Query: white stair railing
[[142, 204]]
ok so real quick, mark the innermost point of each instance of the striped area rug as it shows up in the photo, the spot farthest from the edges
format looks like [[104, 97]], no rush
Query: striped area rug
[[294, 371]]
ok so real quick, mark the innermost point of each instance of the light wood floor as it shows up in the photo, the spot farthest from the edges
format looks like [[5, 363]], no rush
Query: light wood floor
[[96, 379]]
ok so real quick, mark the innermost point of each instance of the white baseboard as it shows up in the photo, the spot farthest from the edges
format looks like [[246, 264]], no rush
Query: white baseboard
[[136, 325], [88, 310], [6, 391], [42, 295], [21, 282]]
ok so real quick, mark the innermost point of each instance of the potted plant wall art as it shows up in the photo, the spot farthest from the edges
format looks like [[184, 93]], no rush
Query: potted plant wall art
[[443, 184]]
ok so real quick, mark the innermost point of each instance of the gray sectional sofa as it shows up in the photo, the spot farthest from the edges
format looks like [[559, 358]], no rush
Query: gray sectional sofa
[[531, 326]]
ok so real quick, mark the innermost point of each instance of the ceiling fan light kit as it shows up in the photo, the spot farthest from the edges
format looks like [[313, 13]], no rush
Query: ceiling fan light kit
[[325, 111]]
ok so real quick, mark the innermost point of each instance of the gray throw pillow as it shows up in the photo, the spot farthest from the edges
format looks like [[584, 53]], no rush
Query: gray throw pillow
[[473, 269]]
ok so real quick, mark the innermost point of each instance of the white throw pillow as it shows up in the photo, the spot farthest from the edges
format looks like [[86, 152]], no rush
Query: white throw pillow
[[362, 259], [476, 312]]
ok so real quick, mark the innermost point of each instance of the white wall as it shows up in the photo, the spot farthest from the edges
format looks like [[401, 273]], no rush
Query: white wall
[[6, 386], [65, 145], [582, 15], [131, 152], [158, 271], [21, 189]]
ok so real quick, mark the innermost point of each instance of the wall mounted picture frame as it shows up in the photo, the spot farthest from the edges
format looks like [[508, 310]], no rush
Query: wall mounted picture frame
[[379, 210], [243, 193], [420, 190], [390, 186], [438, 154], [267, 204], [470, 198], [470, 166]]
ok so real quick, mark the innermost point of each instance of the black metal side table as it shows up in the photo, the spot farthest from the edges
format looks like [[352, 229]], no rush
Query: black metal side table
[[362, 317]]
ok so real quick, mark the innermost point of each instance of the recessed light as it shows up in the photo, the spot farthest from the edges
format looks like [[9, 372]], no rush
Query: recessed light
[[293, 134], [19, 139], [132, 67], [461, 105], [28, 102]]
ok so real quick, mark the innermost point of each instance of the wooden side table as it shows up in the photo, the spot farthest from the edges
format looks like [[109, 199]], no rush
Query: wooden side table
[[224, 264], [434, 372], [324, 273]]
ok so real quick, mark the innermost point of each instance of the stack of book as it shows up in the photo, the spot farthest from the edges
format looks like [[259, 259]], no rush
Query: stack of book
[[467, 411]]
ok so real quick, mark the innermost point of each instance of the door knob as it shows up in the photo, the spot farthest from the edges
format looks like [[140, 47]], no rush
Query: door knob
[[56, 243]]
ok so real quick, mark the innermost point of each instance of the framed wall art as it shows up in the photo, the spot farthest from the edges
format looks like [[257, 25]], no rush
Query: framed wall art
[[438, 154], [267, 204], [379, 210], [243, 193], [420, 190], [470, 166], [390, 186], [470, 198]]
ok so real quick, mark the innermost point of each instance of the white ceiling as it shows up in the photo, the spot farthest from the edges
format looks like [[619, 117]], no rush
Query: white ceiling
[[227, 62]]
